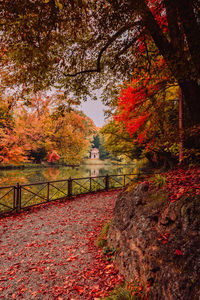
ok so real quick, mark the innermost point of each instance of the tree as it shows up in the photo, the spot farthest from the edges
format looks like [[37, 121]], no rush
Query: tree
[[39, 128], [103, 152], [119, 142], [96, 141], [150, 117], [33, 125], [69, 137], [148, 108], [99, 142], [11, 149], [43, 39], [53, 157]]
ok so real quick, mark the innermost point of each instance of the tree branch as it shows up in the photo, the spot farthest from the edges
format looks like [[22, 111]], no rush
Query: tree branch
[[147, 55], [109, 42], [123, 51], [176, 63], [172, 19]]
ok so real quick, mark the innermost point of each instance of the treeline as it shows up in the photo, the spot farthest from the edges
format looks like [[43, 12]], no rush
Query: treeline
[[43, 128], [146, 52]]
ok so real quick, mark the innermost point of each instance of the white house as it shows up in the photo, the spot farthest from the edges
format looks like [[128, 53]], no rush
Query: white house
[[94, 153]]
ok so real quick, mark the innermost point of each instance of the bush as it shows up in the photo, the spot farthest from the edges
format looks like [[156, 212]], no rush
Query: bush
[[159, 180], [130, 291], [102, 238]]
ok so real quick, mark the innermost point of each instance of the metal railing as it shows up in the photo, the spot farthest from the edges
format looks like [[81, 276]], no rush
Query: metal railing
[[20, 196]]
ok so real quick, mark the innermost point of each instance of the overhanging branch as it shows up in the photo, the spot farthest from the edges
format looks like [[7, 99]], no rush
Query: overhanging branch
[[127, 46], [103, 49]]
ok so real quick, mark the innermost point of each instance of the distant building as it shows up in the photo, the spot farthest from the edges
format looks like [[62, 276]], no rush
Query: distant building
[[94, 153]]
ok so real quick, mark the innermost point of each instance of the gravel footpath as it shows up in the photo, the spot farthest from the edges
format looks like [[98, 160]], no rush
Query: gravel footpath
[[49, 252]]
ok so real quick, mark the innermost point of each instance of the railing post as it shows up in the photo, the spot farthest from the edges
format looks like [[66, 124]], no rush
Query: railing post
[[48, 192], [18, 198], [90, 184], [107, 182], [124, 180], [69, 187], [14, 197]]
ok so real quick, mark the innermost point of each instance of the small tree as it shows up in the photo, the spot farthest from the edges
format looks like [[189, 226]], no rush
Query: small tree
[[53, 157]]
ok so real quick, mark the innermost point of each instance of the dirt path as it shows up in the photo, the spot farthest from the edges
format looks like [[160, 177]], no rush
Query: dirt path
[[49, 252]]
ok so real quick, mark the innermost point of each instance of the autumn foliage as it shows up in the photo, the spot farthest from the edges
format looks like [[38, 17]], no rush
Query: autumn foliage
[[38, 129], [148, 105], [53, 156]]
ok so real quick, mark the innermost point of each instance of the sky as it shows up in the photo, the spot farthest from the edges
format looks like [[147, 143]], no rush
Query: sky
[[94, 110]]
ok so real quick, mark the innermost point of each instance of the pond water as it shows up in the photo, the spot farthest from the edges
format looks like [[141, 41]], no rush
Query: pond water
[[40, 174]]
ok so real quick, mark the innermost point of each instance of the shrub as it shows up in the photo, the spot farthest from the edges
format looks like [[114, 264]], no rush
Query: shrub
[[130, 291], [159, 180], [102, 238]]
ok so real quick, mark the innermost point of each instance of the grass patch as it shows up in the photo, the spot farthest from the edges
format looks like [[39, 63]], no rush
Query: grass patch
[[129, 291], [102, 238], [159, 181], [108, 252]]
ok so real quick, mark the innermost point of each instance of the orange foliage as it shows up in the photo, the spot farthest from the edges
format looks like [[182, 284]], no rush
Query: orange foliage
[[38, 127]]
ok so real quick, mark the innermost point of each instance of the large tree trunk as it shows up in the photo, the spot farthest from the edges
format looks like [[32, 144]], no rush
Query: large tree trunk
[[181, 68], [191, 30], [191, 93]]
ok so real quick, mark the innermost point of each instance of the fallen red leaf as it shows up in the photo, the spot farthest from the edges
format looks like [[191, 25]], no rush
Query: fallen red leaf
[[79, 289], [178, 252]]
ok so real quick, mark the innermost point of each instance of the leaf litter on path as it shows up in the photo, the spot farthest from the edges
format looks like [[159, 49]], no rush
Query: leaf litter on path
[[50, 253]]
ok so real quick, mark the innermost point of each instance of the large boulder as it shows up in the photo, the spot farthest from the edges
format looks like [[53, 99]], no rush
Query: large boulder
[[157, 242]]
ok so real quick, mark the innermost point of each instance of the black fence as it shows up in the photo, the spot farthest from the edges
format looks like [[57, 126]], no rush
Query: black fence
[[20, 196]]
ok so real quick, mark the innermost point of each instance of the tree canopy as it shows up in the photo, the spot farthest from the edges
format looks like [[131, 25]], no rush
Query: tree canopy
[[43, 130], [75, 44]]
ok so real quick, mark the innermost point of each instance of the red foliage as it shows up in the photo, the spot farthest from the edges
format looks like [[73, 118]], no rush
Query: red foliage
[[181, 182], [178, 252], [53, 156], [158, 10], [164, 238], [140, 101], [137, 104]]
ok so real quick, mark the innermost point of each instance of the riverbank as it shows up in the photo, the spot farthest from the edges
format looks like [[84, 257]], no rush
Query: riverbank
[[58, 172], [85, 162], [34, 165], [99, 162]]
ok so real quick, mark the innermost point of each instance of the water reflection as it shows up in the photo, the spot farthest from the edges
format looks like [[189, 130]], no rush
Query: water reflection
[[11, 177], [52, 173], [94, 172]]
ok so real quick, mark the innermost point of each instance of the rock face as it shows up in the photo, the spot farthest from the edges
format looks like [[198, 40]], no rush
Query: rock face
[[157, 243]]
